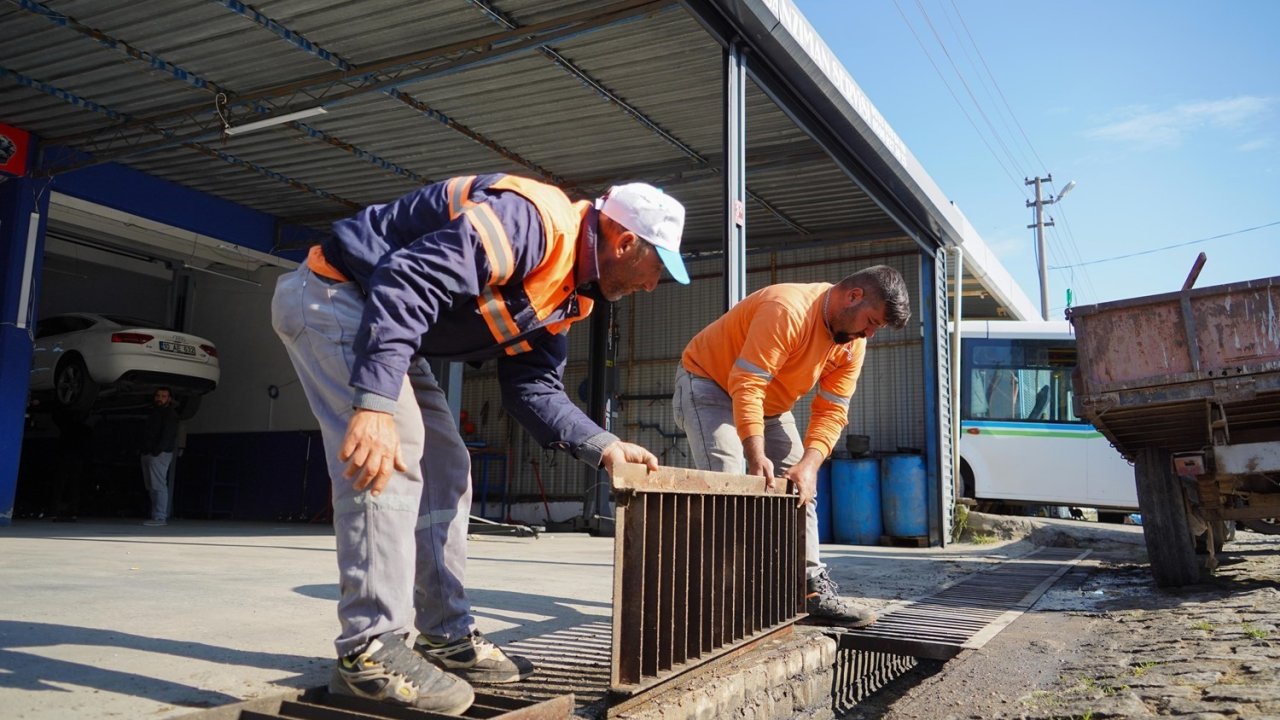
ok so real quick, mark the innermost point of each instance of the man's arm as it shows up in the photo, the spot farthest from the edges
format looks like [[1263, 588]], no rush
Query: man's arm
[[408, 291], [830, 407], [533, 392], [768, 344], [829, 414]]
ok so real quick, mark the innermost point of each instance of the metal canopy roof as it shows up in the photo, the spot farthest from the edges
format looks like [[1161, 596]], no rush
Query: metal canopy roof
[[581, 93]]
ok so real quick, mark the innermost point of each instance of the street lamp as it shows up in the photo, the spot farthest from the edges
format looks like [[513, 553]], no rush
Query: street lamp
[[1039, 226]]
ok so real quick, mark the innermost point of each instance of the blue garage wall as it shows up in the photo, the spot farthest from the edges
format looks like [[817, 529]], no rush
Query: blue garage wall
[[124, 188], [129, 190], [278, 476]]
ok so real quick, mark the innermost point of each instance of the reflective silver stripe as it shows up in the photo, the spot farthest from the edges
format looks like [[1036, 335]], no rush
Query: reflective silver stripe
[[833, 398], [357, 503], [753, 369], [436, 517]]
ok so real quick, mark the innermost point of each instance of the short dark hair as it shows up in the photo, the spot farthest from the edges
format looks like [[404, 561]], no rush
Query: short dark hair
[[886, 285]]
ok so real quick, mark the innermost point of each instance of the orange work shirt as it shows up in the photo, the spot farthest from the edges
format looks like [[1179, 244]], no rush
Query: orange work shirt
[[771, 349]]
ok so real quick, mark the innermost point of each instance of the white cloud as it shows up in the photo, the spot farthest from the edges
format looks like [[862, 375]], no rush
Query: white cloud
[[1252, 145], [1145, 127]]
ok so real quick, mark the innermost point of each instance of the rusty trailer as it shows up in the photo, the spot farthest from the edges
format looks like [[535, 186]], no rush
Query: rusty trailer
[[1187, 386]]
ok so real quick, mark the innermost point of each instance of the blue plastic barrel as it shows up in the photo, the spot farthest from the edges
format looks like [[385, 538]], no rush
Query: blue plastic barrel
[[904, 491], [824, 503], [855, 501]]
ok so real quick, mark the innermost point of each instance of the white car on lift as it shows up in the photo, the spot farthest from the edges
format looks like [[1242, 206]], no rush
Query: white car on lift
[[86, 360]]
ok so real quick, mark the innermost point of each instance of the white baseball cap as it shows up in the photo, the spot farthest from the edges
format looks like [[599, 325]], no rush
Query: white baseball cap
[[655, 216]]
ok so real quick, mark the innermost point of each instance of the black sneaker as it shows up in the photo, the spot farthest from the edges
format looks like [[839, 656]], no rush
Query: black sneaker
[[826, 607], [389, 671], [475, 659]]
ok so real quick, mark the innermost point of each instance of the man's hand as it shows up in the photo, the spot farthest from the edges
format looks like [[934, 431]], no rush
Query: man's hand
[[619, 451], [805, 475], [371, 450], [757, 462]]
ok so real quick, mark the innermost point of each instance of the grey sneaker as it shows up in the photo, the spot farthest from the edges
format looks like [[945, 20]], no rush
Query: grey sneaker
[[154, 523], [826, 607], [475, 659], [389, 671]]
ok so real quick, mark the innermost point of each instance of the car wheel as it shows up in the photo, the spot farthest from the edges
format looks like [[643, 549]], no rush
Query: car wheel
[[73, 389]]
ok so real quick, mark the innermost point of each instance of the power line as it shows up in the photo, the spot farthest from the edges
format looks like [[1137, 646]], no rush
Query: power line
[[1168, 247], [956, 68], [997, 85], [955, 97]]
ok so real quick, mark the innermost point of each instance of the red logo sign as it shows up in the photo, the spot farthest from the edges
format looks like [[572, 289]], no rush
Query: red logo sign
[[13, 150]]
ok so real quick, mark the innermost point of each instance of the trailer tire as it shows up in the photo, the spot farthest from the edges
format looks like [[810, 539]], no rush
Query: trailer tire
[[1170, 547]]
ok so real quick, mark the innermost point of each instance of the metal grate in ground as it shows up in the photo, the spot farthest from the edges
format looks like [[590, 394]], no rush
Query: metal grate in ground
[[570, 661], [968, 613], [861, 673]]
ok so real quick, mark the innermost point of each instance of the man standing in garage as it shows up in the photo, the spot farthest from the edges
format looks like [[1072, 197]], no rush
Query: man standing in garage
[[468, 269], [159, 439], [740, 376]]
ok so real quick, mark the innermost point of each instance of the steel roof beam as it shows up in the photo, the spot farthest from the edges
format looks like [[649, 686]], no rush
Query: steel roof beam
[[203, 121], [501, 18], [72, 99], [195, 80], [302, 43]]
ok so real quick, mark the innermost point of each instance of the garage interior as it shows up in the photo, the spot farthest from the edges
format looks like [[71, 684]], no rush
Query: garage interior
[[186, 159]]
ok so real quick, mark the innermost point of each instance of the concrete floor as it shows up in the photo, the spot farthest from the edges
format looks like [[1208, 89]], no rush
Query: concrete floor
[[105, 619]]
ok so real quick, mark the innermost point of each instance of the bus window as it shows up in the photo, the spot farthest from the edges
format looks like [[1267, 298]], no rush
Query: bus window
[[1020, 380], [1020, 441]]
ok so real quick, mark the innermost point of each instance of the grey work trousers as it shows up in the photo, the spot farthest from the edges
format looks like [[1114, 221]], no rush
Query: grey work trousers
[[401, 555], [704, 411], [155, 473]]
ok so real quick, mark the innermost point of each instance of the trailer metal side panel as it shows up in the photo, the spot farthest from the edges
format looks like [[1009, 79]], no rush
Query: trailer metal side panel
[[1157, 371]]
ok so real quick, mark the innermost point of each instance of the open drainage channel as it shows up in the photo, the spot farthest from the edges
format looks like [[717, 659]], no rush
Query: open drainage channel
[[574, 664], [963, 615]]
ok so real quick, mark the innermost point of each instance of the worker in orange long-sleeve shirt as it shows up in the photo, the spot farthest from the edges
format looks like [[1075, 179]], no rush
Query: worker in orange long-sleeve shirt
[[740, 377]]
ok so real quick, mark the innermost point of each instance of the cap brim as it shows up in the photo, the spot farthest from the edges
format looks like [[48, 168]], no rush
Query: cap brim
[[674, 263]]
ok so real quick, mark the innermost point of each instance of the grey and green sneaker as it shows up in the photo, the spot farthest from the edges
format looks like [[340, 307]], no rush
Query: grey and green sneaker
[[475, 659], [387, 670], [826, 607]]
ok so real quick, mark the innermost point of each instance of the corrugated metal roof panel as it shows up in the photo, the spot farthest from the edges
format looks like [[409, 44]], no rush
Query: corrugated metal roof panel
[[525, 113]]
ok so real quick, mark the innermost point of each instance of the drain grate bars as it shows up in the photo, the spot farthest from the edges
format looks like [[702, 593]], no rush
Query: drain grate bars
[[705, 564], [968, 613]]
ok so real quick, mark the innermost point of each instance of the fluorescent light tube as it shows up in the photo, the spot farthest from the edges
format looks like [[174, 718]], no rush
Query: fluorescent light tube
[[273, 121]]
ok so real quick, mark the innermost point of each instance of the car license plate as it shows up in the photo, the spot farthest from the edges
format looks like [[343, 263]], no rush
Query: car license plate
[[179, 348]]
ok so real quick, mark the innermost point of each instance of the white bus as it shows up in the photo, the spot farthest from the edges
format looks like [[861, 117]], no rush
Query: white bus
[[1020, 442]]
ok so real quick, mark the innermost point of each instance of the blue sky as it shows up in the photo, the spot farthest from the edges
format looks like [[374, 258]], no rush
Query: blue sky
[[1166, 113]]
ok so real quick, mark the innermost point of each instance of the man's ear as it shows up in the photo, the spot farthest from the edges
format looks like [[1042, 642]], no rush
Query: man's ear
[[627, 242], [855, 294]]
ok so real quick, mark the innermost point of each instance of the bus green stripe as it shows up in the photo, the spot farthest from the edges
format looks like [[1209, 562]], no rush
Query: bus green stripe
[[1041, 433]]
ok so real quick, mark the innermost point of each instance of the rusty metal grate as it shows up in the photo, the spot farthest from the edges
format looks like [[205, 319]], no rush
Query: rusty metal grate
[[861, 673], [968, 613], [704, 564]]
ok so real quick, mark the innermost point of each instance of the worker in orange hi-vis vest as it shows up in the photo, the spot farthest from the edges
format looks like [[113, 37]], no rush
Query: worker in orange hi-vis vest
[[470, 269], [740, 376]]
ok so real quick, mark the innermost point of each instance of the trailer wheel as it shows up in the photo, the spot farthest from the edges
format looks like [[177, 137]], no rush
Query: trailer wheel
[[1170, 547]]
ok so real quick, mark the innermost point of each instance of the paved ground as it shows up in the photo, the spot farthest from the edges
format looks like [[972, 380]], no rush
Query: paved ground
[[108, 619], [111, 620], [1104, 642]]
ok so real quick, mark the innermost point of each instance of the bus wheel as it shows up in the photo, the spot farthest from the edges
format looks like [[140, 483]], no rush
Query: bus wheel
[[1170, 548]]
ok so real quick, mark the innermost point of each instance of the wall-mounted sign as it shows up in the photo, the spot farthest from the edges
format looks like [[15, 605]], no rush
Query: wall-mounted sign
[[13, 150]]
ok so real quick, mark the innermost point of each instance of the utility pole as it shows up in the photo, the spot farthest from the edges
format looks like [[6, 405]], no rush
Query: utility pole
[[1039, 226]]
